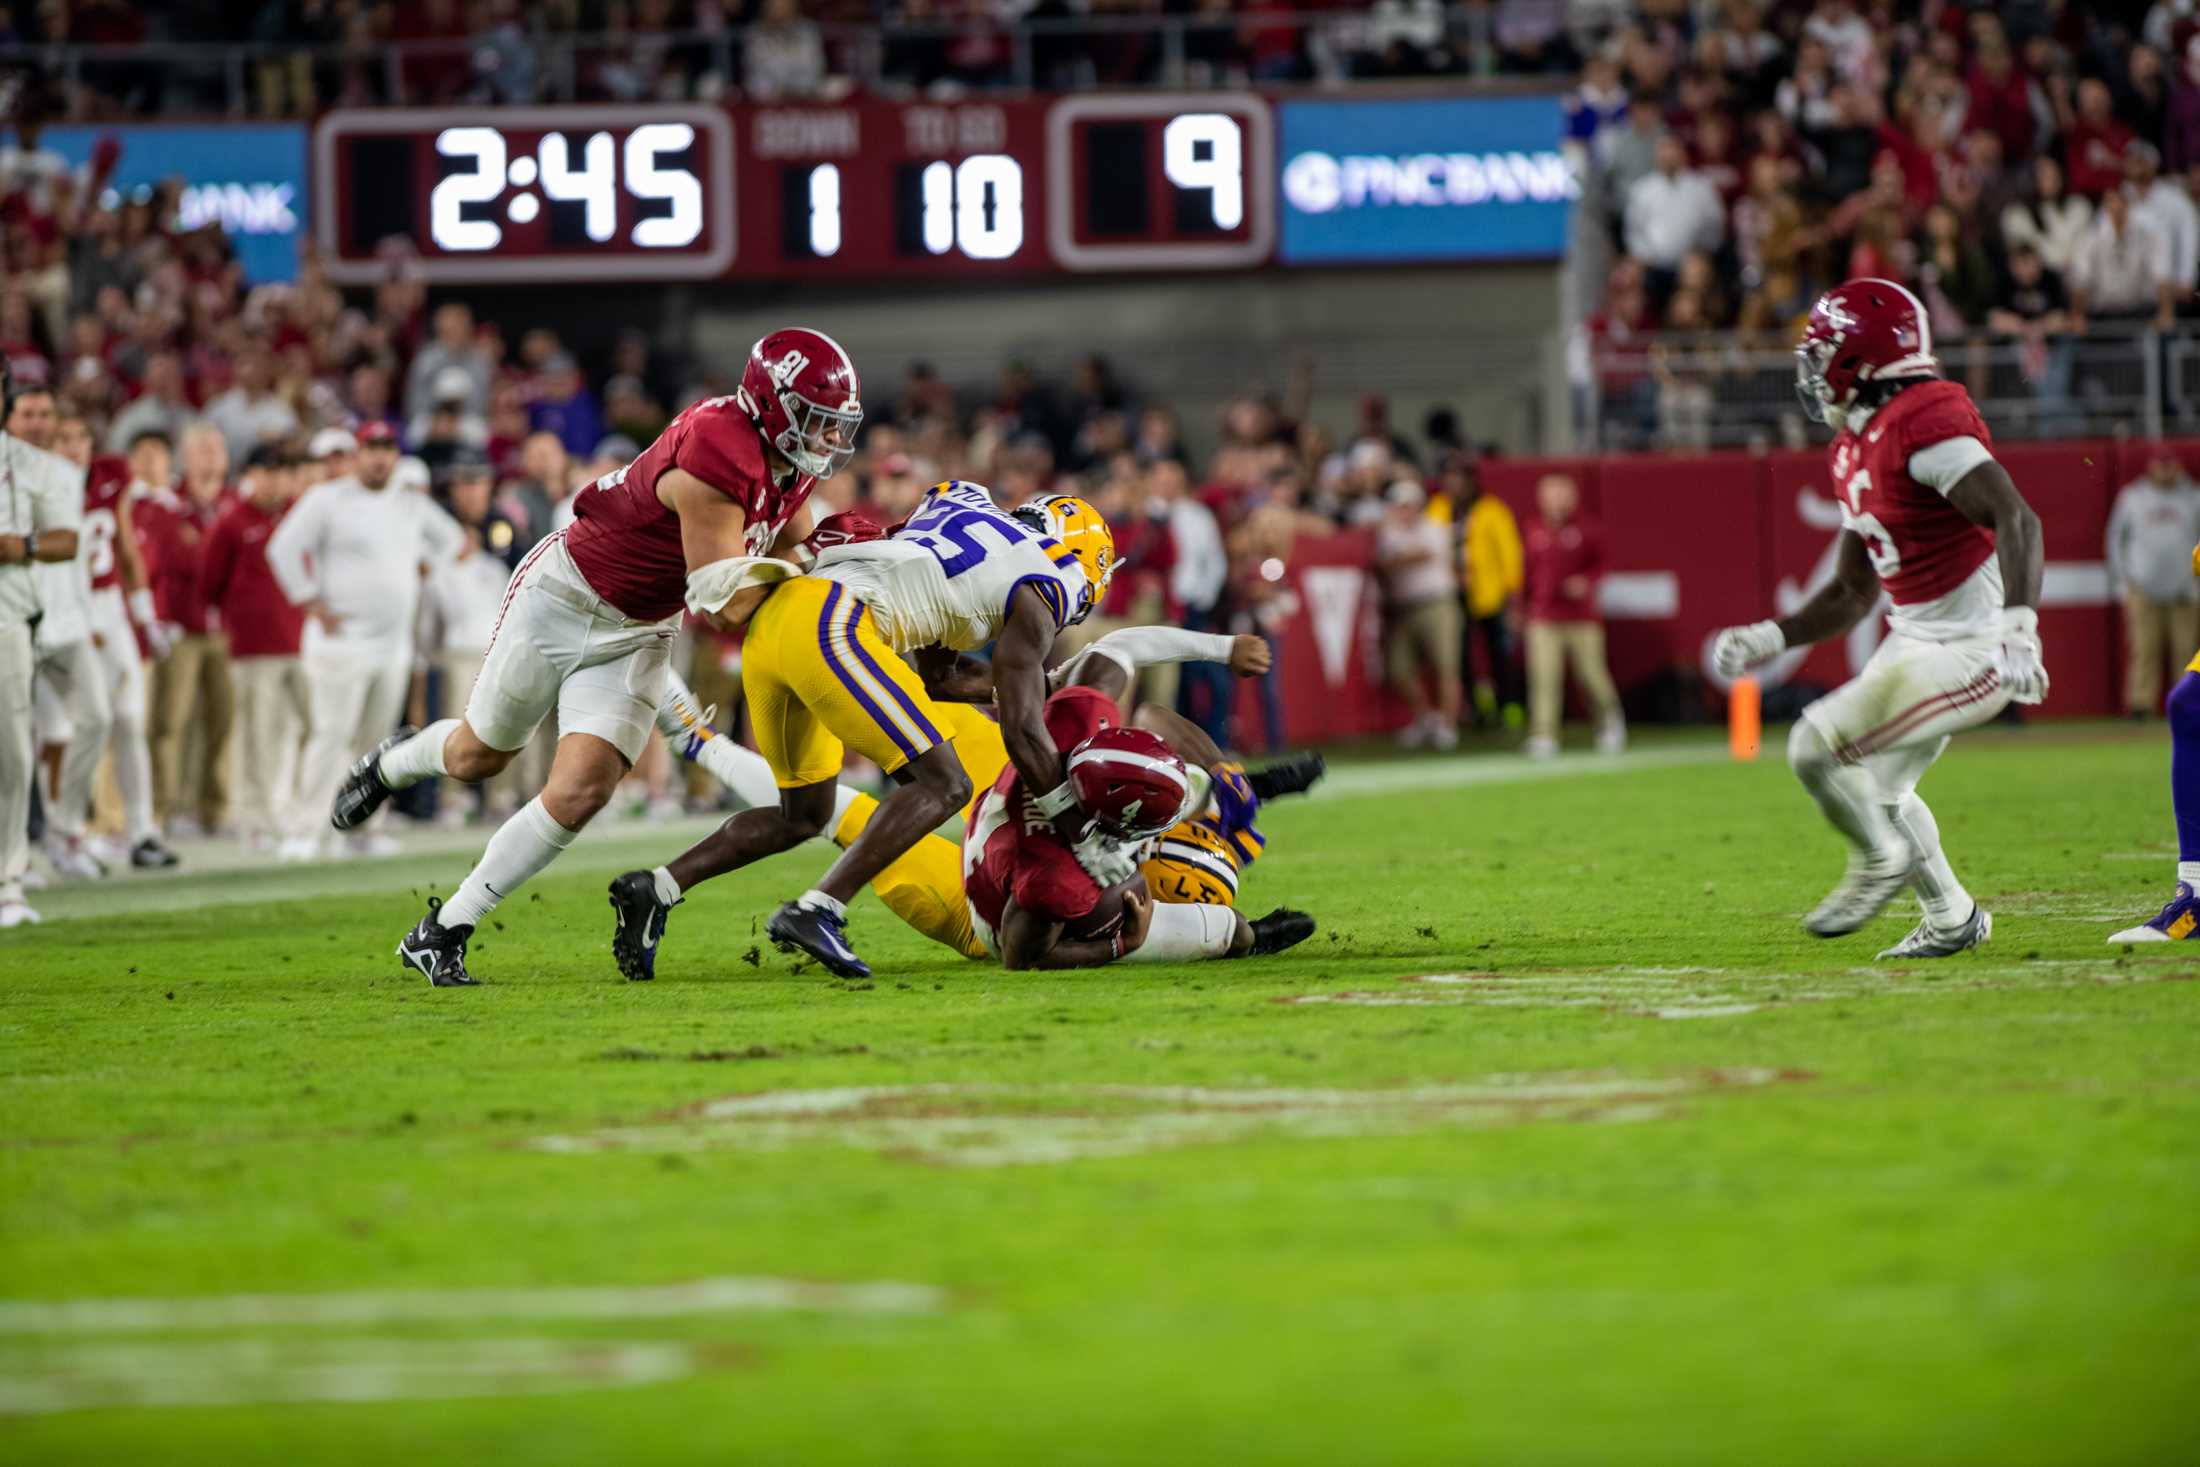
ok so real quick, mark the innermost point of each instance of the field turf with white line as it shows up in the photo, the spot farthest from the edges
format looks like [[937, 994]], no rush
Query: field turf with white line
[[1560, 1143]]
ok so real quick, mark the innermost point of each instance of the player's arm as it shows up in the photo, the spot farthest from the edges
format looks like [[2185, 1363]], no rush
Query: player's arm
[[1109, 664], [954, 677], [1029, 940], [1839, 604], [1988, 496], [290, 556], [712, 528], [129, 561], [1020, 695]]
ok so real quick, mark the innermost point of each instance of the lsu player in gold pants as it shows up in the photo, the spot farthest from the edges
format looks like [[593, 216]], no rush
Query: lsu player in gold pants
[[1198, 860]]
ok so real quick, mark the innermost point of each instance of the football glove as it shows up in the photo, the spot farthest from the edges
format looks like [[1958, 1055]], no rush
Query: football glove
[[1738, 649], [2018, 657], [1108, 861]]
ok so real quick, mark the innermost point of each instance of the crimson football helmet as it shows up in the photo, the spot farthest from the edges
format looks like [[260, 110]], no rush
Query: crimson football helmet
[[800, 390], [1131, 783], [849, 527], [1864, 331]]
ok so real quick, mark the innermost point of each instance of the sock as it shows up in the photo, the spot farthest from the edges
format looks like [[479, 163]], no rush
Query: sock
[[1846, 795], [2184, 774], [1947, 905], [1186, 930], [823, 903], [851, 812], [668, 890], [741, 770], [522, 846], [134, 777], [419, 757]]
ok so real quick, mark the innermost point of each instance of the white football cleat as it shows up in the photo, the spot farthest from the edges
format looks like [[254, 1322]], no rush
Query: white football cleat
[[1612, 737], [70, 859], [298, 848], [15, 912], [1925, 942], [1862, 895], [685, 723], [1540, 748]]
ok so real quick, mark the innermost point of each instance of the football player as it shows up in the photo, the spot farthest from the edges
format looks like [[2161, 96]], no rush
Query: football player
[[2180, 920], [701, 518], [1929, 515], [1199, 859], [821, 673]]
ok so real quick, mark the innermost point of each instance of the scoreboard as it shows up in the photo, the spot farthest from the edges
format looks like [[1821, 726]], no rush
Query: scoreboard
[[870, 189], [876, 189]]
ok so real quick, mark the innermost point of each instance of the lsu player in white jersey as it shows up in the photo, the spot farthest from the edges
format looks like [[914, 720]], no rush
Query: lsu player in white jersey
[[822, 672]]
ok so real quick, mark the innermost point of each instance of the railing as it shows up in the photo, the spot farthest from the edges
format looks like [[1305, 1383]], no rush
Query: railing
[[1703, 391], [513, 65]]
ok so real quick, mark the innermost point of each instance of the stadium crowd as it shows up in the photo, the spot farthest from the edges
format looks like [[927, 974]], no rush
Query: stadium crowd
[[219, 406]]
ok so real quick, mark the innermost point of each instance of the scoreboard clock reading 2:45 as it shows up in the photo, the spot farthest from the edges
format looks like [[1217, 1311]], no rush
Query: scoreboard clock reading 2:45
[[863, 190]]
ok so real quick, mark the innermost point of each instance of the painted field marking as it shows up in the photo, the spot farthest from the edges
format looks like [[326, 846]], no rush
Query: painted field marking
[[727, 1295], [989, 1125], [82, 1376]]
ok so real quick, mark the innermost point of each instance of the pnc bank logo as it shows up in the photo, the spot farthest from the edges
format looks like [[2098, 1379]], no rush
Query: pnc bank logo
[[240, 208], [1324, 183]]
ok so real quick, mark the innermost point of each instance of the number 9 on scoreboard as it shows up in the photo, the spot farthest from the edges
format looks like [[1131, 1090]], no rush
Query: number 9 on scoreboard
[[1160, 182]]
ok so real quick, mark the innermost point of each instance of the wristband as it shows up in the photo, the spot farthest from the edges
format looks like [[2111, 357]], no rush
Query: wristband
[[140, 603], [1054, 801], [2020, 620], [1115, 941]]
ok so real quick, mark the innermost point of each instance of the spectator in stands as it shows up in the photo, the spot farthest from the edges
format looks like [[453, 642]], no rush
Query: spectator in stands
[[538, 501], [2122, 270], [2001, 97], [2181, 126], [368, 396], [191, 685], [564, 406], [250, 413], [783, 54], [1631, 152], [1671, 212], [2151, 532], [428, 378], [2035, 311], [2050, 219], [260, 631], [2168, 210], [2093, 145], [1420, 585], [162, 405], [1564, 564], [1490, 555], [1198, 574], [1958, 279]]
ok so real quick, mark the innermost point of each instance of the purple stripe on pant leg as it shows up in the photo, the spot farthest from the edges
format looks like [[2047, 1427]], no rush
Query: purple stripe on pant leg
[[893, 689], [847, 679], [2184, 763]]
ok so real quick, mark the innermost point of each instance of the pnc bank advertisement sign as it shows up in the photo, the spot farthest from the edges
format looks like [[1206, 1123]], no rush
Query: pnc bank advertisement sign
[[1406, 179], [249, 177]]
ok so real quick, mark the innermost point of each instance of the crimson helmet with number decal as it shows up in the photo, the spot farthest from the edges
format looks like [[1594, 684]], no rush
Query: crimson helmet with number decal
[[1130, 783], [1861, 332], [800, 390]]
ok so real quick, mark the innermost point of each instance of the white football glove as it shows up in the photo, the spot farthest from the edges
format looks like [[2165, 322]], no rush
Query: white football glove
[[1738, 649], [1108, 861], [2018, 657]]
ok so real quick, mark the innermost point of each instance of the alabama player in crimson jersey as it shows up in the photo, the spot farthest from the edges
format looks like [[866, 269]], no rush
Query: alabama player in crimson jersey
[[1927, 513], [587, 624]]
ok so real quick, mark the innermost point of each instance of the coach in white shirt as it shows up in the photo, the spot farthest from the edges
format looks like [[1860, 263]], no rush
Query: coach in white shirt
[[41, 495], [1673, 211], [350, 552]]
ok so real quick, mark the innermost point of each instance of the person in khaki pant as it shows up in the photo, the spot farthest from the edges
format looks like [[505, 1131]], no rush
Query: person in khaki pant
[[261, 630], [194, 704], [1564, 553], [2155, 521]]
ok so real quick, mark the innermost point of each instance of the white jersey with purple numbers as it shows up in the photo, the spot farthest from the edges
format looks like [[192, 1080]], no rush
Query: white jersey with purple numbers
[[946, 577]]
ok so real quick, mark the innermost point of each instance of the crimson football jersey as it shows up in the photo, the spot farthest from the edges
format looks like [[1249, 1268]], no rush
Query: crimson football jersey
[[1924, 548], [105, 482], [627, 543], [1012, 852]]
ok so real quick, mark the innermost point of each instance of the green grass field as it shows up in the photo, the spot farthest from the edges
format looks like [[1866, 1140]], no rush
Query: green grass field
[[1649, 1175]]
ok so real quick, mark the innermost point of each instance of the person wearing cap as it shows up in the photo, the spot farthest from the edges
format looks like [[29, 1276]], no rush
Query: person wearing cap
[[349, 554], [461, 600], [329, 456], [192, 694], [262, 630], [1413, 560]]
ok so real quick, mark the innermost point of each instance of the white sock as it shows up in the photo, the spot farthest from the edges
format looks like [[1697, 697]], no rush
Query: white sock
[[419, 757], [2189, 873], [1947, 905], [134, 776], [740, 769], [1184, 930], [668, 890], [815, 898], [522, 846]]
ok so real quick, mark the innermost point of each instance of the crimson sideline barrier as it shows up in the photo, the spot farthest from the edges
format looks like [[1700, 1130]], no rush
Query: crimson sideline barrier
[[1698, 542]]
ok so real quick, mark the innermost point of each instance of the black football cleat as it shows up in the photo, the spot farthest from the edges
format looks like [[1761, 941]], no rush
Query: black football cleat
[[813, 930], [436, 952], [641, 922], [362, 792], [1278, 930], [150, 855], [1287, 776]]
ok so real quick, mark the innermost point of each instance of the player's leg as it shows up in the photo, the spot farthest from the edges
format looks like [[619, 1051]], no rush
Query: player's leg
[[126, 697], [1190, 931], [2179, 921], [1953, 921], [1546, 688], [1593, 670], [80, 683], [18, 753]]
